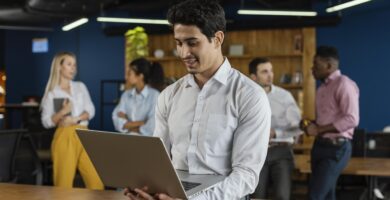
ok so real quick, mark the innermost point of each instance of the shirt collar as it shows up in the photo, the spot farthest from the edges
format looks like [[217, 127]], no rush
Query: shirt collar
[[272, 89], [71, 85], [190, 81], [221, 75], [332, 76], [144, 91]]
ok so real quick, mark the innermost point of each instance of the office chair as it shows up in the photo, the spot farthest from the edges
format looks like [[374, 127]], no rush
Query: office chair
[[8, 144], [43, 139], [359, 148], [27, 165]]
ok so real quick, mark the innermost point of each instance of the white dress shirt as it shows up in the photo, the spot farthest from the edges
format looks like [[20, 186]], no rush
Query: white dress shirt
[[285, 115], [137, 107], [222, 128], [79, 97]]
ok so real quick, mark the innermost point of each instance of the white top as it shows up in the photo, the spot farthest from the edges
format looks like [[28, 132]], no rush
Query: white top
[[285, 115], [137, 107], [79, 97], [220, 129]]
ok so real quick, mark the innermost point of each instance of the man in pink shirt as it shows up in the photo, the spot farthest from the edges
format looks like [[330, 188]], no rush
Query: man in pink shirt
[[337, 114]]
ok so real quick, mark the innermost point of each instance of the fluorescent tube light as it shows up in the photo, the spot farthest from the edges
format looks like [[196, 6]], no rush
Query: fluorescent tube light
[[26, 28], [132, 20], [75, 24], [278, 12], [345, 5]]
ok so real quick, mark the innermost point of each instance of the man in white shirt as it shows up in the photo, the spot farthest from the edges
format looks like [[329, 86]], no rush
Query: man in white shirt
[[285, 120], [214, 120]]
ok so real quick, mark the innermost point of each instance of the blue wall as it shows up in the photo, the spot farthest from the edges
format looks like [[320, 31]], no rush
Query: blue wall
[[99, 57], [363, 39]]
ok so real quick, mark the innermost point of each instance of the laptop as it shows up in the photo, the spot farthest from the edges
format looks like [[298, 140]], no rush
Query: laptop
[[136, 161]]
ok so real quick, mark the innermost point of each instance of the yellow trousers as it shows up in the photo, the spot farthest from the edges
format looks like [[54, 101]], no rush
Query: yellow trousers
[[68, 154]]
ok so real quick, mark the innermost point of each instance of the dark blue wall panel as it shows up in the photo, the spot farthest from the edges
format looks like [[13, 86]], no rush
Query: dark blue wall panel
[[99, 57], [363, 39]]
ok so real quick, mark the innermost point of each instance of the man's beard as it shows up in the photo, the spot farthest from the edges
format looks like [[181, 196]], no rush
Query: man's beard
[[265, 85]]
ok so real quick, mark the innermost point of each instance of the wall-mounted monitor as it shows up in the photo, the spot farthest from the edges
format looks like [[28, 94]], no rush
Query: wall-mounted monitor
[[40, 45]]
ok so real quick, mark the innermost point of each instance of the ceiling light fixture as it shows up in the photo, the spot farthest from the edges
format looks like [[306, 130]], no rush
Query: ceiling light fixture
[[26, 28], [277, 12], [75, 24], [345, 5], [132, 20]]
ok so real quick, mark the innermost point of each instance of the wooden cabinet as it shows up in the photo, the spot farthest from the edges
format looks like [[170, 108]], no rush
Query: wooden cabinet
[[290, 50]]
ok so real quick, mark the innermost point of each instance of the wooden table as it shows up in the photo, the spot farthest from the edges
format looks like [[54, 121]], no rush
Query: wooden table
[[32, 192], [370, 167], [303, 148]]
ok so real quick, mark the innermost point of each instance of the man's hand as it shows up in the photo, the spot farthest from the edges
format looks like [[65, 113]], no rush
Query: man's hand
[[141, 194], [165, 197], [138, 194], [312, 129]]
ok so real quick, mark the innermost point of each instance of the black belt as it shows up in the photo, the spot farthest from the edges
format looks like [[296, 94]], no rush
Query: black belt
[[333, 141]]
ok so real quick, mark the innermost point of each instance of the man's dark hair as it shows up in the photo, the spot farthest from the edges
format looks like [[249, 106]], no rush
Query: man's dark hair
[[255, 62], [207, 15], [327, 52]]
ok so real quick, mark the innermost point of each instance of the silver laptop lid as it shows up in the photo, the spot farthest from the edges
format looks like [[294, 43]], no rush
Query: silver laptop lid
[[132, 161]]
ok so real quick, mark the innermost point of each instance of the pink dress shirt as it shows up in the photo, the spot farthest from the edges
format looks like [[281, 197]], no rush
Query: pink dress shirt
[[337, 103]]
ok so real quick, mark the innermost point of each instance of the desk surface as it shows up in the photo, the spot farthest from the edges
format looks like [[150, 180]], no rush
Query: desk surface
[[356, 166], [32, 192]]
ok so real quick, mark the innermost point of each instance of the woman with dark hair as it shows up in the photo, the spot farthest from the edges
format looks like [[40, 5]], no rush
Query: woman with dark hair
[[135, 111]]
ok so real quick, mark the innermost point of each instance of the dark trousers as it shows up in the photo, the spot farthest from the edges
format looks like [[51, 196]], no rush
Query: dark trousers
[[277, 170], [327, 162]]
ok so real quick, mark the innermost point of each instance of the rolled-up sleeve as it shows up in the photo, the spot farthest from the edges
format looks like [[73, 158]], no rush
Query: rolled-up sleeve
[[148, 127], [47, 111], [348, 98], [118, 121], [250, 145], [292, 117], [88, 104], [161, 120]]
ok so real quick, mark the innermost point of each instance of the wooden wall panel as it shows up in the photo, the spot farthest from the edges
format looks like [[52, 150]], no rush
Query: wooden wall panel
[[308, 81], [290, 51]]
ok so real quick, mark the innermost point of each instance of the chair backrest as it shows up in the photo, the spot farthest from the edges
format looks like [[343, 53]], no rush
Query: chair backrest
[[27, 166], [8, 144], [359, 143], [386, 129], [378, 144]]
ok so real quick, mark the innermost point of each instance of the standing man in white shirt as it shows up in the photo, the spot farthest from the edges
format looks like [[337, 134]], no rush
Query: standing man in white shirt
[[214, 120], [285, 120]]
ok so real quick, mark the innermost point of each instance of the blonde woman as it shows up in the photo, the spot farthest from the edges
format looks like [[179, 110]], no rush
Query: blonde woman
[[75, 109]]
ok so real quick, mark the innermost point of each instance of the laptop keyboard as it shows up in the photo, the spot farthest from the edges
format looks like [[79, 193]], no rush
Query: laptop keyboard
[[189, 185]]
